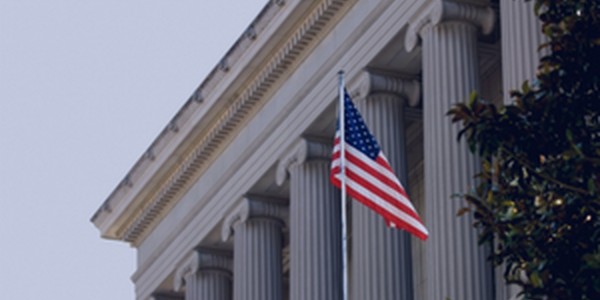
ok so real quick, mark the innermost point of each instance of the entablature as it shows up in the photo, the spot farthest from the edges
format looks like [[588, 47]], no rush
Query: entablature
[[204, 124]]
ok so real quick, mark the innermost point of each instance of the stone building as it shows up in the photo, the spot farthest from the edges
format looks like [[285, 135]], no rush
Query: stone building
[[232, 200]]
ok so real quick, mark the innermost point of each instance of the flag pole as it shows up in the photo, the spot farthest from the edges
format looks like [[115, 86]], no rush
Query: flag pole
[[343, 187]]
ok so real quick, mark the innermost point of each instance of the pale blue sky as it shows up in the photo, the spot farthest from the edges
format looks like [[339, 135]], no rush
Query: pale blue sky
[[85, 87]]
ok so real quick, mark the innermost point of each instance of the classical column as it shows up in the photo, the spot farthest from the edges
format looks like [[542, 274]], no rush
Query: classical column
[[315, 223], [206, 275], [457, 266], [381, 256], [257, 227], [521, 37]]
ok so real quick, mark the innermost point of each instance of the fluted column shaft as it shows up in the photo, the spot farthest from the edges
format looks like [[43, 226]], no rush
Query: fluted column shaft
[[257, 259], [208, 285], [521, 37], [257, 225], [457, 266], [315, 233], [206, 275], [381, 256]]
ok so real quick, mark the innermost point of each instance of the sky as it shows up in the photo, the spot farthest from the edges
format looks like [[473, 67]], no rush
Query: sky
[[85, 87]]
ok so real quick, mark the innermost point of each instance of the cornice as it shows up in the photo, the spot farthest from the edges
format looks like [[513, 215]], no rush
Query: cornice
[[135, 221], [192, 106], [355, 46], [202, 260], [370, 84], [255, 207], [442, 11], [305, 150]]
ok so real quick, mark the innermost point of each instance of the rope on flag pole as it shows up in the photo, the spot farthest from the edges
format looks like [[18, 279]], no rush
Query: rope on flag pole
[[343, 187]]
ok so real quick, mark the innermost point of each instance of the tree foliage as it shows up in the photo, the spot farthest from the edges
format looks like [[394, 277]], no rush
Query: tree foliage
[[539, 194]]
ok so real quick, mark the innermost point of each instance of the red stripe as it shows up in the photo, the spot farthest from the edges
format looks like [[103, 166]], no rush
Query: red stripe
[[336, 182], [373, 188], [385, 180], [336, 155], [377, 191], [385, 214], [388, 216], [382, 211], [382, 162]]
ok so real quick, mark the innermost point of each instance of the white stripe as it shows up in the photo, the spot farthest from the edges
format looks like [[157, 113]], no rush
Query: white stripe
[[393, 193], [411, 221], [383, 171], [335, 163], [378, 168], [388, 163], [373, 164]]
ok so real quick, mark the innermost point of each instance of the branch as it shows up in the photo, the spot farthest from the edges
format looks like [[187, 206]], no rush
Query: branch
[[564, 185]]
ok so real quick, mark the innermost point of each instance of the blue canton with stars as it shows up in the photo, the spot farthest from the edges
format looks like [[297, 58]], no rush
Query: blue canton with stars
[[356, 132]]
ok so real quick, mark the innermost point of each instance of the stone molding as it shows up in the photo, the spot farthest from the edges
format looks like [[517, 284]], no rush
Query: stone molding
[[149, 275], [156, 206], [250, 32], [370, 84], [443, 11], [202, 260], [224, 65], [255, 207], [305, 150], [197, 96]]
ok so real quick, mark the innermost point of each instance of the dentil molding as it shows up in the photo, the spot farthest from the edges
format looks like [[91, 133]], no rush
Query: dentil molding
[[202, 260], [370, 84], [139, 224], [442, 11], [255, 207], [305, 150]]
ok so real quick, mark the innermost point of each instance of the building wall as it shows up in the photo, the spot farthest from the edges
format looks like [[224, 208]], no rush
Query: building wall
[[189, 244]]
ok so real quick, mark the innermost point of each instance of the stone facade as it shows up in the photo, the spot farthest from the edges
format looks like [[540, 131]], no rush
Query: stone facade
[[233, 200]]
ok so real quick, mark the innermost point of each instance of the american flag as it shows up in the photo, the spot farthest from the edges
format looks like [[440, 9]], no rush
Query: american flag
[[369, 177]]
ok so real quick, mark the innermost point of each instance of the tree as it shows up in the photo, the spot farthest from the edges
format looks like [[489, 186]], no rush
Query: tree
[[539, 191]]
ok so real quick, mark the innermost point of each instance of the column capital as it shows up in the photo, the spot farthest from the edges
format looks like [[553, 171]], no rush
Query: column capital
[[371, 84], [202, 260], [305, 150], [442, 11], [255, 207]]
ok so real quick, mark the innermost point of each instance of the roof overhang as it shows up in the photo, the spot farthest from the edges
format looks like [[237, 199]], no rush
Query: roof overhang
[[274, 40]]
